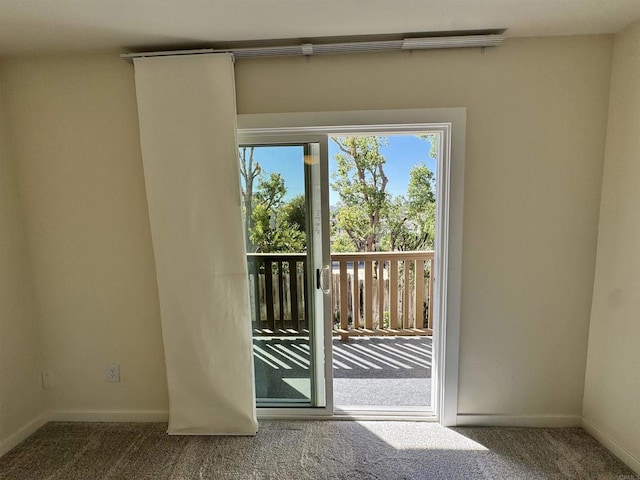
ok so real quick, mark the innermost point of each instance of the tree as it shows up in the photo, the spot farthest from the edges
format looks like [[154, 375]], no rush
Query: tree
[[397, 225], [295, 212], [361, 182], [272, 233], [433, 139], [271, 191], [271, 224], [410, 223], [367, 217], [422, 206], [249, 171], [421, 187], [276, 224]]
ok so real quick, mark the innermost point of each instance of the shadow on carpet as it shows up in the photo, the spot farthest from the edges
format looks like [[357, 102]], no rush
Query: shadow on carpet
[[300, 450]]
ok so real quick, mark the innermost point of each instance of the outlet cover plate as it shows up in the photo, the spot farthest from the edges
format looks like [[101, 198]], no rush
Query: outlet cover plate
[[47, 380], [112, 372]]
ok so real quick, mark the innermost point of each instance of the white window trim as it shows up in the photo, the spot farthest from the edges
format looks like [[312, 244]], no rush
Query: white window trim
[[450, 184]]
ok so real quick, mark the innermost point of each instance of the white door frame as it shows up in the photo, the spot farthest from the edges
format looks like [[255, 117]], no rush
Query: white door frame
[[449, 215]]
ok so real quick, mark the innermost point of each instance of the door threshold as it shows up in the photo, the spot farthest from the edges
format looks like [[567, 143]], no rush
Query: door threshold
[[408, 414], [359, 414]]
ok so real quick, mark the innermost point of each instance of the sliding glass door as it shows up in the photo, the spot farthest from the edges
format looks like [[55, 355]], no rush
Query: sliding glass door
[[285, 272]]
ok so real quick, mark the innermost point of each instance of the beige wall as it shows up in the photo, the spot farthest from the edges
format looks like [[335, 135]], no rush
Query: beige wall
[[535, 140], [75, 135], [612, 390], [21, 397], [536, 124]]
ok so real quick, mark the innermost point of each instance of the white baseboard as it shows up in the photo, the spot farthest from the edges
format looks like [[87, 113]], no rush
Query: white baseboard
[[488, 420], [144, 416], [22, 434], [618, 450]]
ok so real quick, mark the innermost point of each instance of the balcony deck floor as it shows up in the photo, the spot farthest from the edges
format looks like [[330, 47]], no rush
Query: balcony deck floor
[[387, 372]]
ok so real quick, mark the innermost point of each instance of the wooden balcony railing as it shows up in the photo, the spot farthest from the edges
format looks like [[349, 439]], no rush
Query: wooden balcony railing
[[377, 293], [383, 293], [278, 294]]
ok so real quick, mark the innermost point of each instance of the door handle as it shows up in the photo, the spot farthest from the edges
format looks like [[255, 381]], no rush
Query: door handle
[[322, 279]]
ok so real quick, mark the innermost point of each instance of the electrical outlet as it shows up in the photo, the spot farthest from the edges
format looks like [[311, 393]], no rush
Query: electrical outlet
[[47, 380], [112, 372]]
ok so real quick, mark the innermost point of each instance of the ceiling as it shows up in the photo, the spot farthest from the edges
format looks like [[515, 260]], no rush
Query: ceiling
[[33, 26]]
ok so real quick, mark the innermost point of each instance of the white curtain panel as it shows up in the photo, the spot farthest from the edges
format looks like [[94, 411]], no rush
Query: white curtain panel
[[187, 114]]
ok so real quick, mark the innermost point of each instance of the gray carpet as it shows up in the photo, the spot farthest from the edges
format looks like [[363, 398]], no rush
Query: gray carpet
[[299, 450]]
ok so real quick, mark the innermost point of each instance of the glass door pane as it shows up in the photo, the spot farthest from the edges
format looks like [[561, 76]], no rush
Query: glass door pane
[[383, 216], [276, 206]]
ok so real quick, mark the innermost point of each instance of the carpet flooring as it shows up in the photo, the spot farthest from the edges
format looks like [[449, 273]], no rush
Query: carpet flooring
[[300, 450]]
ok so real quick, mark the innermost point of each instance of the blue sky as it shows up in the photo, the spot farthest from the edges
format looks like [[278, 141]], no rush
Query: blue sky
[[402, 153]]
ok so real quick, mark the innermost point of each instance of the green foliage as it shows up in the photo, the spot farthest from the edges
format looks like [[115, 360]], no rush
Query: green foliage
[[273, 229], [275, 234], [396, 224], [361, 184], [295, 212], [421, 187], [270, 191], [367, 217], [274, 225], [342, 244], [411, 224], [422, 206], [434, 140]]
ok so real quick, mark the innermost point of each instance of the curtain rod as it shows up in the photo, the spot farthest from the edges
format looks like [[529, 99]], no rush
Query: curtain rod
[[308, 49]]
